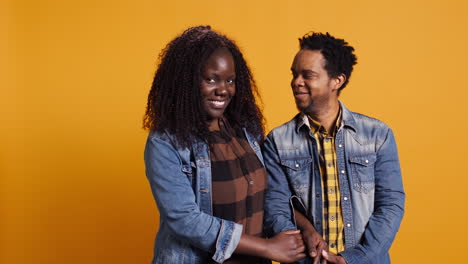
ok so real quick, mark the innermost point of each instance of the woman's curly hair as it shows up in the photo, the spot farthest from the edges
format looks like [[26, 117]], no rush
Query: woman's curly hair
[[174, 101]]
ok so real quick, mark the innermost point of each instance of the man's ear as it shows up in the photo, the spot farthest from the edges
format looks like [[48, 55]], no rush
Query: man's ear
[[338, 81]]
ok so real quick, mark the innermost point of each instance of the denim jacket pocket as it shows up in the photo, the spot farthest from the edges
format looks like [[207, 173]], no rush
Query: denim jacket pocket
[[296, 164], [298, 171], [362, 170]]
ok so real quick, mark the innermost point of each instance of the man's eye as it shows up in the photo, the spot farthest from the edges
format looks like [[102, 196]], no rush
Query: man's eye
[[210, 80], [230, 81]]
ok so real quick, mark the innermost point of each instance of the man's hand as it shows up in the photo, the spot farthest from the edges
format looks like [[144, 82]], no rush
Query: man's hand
[[312, 239], [314, 243], [332, 258], [286, 247]]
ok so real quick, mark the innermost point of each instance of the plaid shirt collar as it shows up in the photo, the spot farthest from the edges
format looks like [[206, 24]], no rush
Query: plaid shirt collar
[[315, 126], [345, 118]]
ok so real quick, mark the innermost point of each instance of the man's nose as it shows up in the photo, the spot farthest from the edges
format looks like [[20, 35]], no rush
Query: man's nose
[[297, 81]]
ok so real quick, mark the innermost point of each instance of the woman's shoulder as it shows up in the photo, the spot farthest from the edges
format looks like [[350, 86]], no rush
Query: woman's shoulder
[[161, 138], [165, 139], [160, 135]]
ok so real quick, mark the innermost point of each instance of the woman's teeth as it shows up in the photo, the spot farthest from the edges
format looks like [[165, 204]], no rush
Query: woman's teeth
[[218, 103]]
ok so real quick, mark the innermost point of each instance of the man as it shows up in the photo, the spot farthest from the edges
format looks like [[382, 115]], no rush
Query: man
[[334, 173]]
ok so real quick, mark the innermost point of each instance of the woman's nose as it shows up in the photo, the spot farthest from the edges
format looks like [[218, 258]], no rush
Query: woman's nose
[[221, 89]]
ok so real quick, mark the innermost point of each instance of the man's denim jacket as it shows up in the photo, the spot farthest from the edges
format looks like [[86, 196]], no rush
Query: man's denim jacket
[[180, 180], [372, 196]]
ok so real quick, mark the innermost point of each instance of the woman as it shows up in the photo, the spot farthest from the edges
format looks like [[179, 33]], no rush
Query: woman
[[202, 157]]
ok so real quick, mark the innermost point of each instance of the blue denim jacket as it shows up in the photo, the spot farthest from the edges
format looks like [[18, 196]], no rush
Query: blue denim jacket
[[180, 180], [370, 181]]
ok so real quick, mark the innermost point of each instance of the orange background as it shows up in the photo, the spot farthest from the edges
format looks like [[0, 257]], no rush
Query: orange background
[[74, 76]]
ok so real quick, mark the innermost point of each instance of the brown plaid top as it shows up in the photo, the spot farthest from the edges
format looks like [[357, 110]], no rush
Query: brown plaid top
[[238, 183]]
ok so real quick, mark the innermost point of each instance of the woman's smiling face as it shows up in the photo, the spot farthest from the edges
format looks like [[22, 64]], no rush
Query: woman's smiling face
[[218, 84]]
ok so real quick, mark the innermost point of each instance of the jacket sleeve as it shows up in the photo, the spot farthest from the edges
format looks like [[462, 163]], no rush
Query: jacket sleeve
[[177, 205], [278, 212], [388, 206]]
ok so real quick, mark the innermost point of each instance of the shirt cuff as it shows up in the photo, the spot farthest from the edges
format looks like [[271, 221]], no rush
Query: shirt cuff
[[228, 239], [354, 256]]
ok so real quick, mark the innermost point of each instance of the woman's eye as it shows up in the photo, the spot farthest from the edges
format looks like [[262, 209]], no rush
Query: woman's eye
[[230, 81], [210, 80]]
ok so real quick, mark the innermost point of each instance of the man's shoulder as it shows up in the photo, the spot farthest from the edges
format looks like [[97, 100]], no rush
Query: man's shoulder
[[366, 128], [365, 120], [361, 122], [288, 127]]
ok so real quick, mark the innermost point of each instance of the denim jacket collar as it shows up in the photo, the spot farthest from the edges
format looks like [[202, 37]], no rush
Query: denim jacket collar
[[347, 117]]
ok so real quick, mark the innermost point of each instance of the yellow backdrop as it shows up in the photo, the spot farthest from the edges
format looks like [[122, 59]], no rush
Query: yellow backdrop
[[74, 76]]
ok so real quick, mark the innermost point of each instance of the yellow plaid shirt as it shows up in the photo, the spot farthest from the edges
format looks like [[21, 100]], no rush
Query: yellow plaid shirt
[[333, 227]]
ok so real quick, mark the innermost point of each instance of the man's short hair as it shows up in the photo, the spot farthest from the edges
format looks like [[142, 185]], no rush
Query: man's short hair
[[339, 56]]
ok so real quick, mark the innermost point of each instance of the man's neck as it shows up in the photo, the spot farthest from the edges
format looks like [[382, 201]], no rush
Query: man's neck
[[326, 116]]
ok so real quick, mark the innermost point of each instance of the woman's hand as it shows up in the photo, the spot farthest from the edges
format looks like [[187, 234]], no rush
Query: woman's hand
[[286, 247]]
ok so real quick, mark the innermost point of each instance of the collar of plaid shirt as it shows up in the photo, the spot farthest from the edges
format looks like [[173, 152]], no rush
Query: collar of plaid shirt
[[316, 126]]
